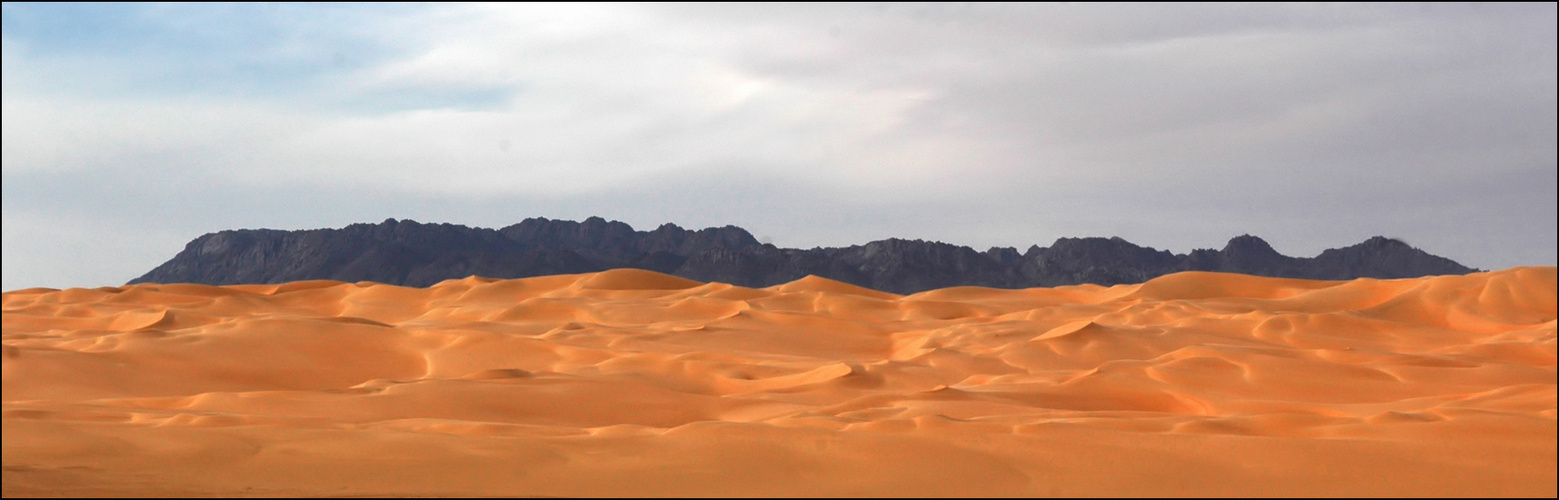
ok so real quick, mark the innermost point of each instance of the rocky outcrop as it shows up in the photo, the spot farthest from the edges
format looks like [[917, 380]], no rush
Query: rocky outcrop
[[414, 254], [1377, 257]]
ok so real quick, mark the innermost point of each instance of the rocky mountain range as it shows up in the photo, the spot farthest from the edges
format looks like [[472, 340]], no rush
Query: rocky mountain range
[[410, 253]]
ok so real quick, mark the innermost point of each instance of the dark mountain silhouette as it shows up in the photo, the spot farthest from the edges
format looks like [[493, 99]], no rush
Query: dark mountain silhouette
[[414, 254]]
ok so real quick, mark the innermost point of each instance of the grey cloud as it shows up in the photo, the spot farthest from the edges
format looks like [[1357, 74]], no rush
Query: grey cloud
[[1175, 126]]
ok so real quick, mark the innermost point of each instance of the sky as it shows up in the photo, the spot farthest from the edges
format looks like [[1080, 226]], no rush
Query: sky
[[130, 129]]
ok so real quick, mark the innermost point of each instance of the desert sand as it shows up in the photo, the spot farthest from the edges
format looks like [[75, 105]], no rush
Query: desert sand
[[629, 382]]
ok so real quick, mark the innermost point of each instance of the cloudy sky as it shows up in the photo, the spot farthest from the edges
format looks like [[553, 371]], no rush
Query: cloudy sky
[[131, 129]]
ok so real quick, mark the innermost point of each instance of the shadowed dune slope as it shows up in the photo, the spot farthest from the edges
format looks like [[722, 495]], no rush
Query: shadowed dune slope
[[631, 382]]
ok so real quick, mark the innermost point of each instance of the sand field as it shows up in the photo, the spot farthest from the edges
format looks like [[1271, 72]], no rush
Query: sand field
[[630, 382]]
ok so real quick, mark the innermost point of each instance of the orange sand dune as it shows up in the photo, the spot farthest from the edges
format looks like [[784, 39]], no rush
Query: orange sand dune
[[630, 382]]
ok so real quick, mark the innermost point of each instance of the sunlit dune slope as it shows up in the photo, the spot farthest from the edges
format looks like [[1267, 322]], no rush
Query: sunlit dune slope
[[630, 382]]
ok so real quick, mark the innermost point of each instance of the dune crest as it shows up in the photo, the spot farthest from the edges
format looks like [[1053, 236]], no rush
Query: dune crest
[[632, 382]]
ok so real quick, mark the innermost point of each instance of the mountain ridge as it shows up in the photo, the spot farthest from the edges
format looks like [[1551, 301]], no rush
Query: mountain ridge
[[411, 253]]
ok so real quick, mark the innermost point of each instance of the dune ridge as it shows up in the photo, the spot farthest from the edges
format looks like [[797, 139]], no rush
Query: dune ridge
[[631, 382]]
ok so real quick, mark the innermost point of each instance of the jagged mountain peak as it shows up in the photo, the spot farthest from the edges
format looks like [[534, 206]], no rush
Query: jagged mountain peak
[[407, 252], [1384, 242], [1248, 243]]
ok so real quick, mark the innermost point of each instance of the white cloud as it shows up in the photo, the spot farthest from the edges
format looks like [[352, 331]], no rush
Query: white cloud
[[1018, 116], [54, 250]]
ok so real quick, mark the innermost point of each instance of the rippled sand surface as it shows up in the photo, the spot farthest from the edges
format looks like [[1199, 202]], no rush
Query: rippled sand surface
[[635, 383]]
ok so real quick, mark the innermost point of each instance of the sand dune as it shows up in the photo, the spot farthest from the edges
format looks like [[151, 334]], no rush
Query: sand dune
[[631, 382]]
